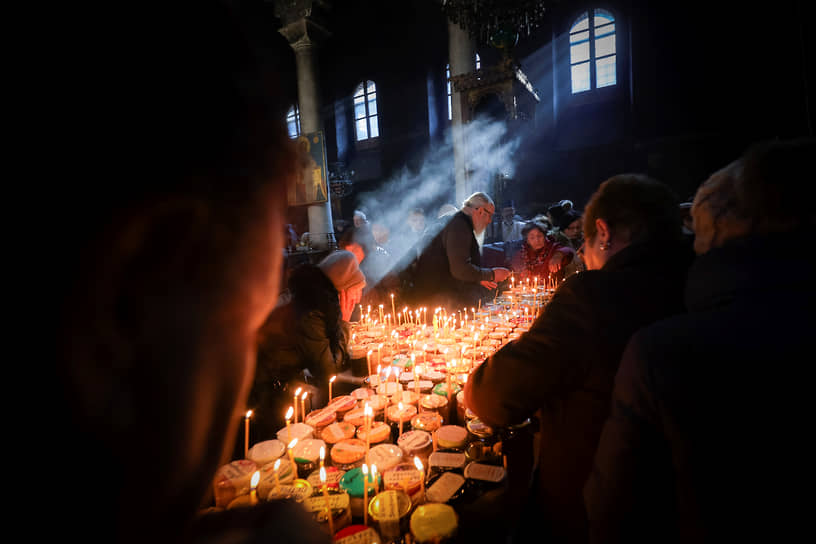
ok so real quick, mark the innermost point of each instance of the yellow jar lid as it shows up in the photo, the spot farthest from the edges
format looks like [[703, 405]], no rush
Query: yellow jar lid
[[433, 521], [389, 505]]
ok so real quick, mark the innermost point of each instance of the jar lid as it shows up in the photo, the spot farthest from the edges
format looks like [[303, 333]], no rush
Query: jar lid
[[412, 441], [338, 431], [333, 477], [379, 432], [390, 505], [426, 421], [342, 403], [301, 431], [433, 521], [394, 413], [347, 451], [308, 450], [488, 473], [385, 456], [432, 402], [299, 490], [266, 452], [451, 436], [357, 534], [445, 487], [321, 418], [479, 428], [353, 481]]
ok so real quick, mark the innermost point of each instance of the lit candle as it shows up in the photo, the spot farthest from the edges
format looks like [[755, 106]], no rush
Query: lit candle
[[326, 497], [277, 479], [368, 361], [246, 432], [291, 448], [303, 406], [393, 309], [289, 413], [365, 491], [253, 493], [374, 482], [297, 393], [421, 469], [322, 455], [331, 381], [399, 407], [379, 354]]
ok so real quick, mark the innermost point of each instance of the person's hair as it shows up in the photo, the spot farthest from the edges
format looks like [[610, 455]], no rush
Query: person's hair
[[362, 236], [361, 214], [531, 225], [762, 192], [312, 290], [636, 208], [477, 200]]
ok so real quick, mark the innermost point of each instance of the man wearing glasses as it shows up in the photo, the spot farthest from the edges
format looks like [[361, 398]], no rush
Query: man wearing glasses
[[449, 271]]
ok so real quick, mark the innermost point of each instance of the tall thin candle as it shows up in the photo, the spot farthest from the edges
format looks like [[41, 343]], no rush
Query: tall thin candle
[[289, 413], [246, 433], [303, 406], [291, 448], [331, 381], [297, 394], [365, 492], [329, 515]]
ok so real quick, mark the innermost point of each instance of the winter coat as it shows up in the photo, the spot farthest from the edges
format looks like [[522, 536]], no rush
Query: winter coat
[[449, 269], [708, 436], [563, 368]]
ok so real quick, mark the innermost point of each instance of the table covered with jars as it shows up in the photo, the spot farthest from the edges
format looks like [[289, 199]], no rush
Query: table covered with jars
[[401, 457]]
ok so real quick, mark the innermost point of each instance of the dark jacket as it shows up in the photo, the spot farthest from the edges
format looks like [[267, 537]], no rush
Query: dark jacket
[[708, 437], [291, 340], [448, 271], [563, 367]]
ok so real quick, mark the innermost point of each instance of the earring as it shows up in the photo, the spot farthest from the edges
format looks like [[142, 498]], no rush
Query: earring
[[606, 246]]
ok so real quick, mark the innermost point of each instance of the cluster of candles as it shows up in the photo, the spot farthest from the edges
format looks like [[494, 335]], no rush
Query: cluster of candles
[[444, 327]]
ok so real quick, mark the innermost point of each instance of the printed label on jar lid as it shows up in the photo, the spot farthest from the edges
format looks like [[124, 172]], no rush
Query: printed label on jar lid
[[445, 487], [480, 471], [318, 502], [446, 459]]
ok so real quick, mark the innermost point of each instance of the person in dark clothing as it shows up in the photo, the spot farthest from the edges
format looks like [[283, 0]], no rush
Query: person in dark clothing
[[167, 258], [562, 369], [707, 433], [448, 272], [304, 341]]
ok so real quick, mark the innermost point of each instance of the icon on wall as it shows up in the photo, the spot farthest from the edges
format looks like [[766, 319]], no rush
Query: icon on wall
[[311, 187]]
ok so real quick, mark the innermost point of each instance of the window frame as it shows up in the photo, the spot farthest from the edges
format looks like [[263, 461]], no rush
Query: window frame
[[368, 140], [594, 93], [294, 110]]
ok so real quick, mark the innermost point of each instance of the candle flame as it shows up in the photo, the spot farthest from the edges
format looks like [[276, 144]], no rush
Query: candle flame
[[305, 394], [368, 411], [290, 412], [374, 471], [418, 463], [322, 453], [249, 414], [277, 465], [255, 478], [292, 443], [365, 469], [333, 378], [297, 392], [399, 406]]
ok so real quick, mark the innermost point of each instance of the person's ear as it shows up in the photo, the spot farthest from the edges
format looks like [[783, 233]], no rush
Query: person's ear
[[603, 231]]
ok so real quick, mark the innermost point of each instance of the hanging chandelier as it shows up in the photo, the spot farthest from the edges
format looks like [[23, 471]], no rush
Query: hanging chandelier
[[496, 20]]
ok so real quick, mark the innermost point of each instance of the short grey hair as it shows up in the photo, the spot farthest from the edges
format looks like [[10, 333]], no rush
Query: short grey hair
[[477, 200]]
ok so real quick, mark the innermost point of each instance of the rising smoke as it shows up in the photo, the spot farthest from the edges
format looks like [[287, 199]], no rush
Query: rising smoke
[[488, 152]]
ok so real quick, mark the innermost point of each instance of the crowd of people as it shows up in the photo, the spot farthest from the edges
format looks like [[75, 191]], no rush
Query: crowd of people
[[667, 376]]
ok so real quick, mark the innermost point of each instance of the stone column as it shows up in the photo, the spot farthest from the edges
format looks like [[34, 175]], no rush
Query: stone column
[[304, 34], [462, 55]]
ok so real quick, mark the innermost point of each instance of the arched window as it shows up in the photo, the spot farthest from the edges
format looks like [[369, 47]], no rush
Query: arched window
[[366, 122], [450, 91], [293, 121], [593, 54]]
